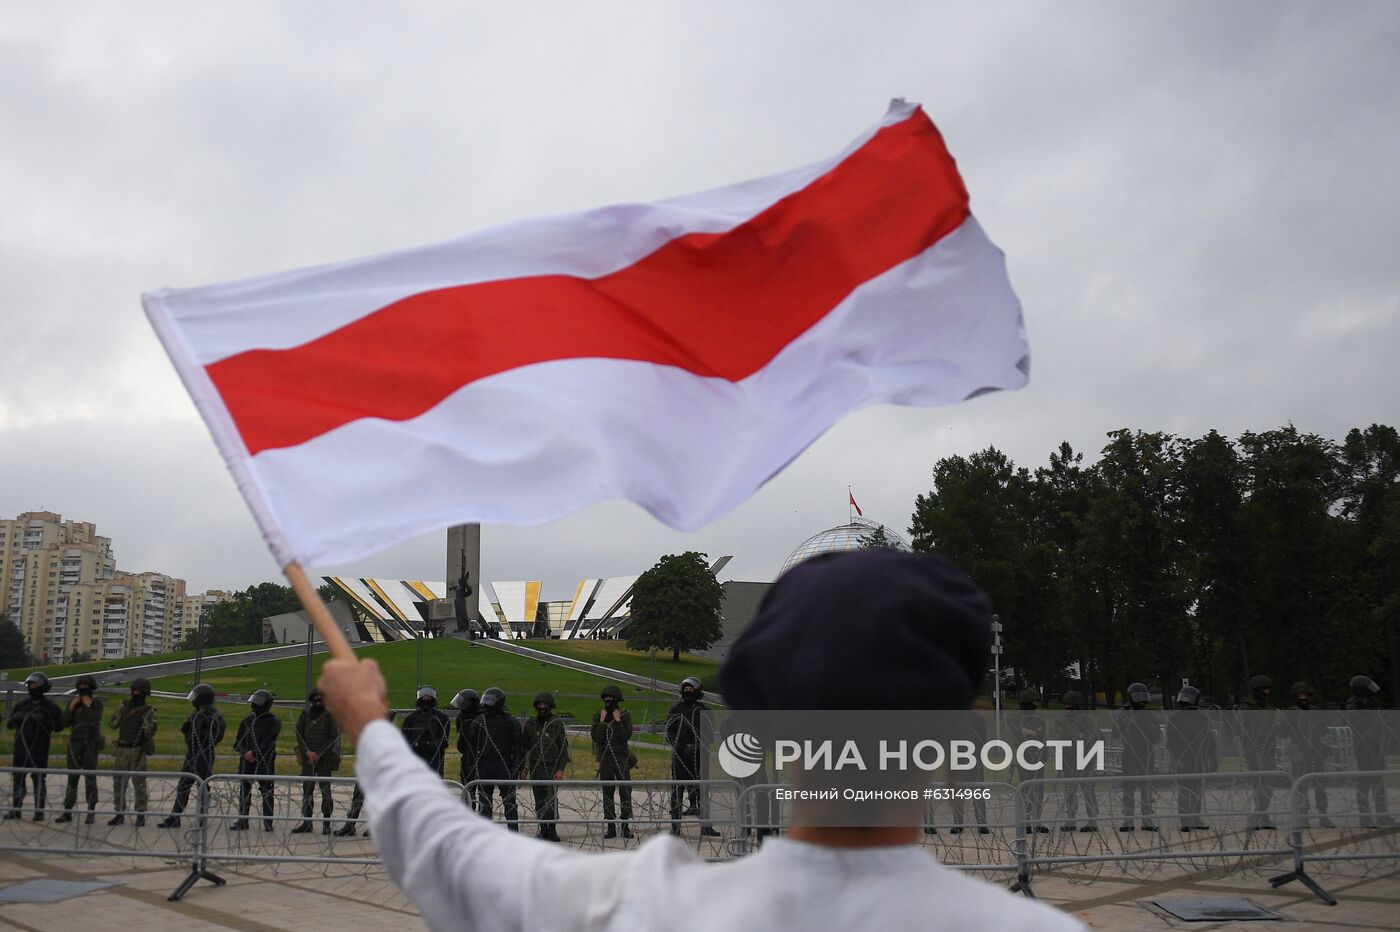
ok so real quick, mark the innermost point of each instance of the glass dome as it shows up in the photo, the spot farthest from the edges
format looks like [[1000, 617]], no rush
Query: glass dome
[[840, 539]]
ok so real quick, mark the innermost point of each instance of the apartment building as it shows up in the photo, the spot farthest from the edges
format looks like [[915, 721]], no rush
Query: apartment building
[[60, 585]]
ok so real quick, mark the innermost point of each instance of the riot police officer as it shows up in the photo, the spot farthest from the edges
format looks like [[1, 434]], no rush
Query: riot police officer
[[1138, 730], [1368, 734], [1029, 728], [468, 706], [135, 725], [256, 744], [82, 716], [357, 802], [690, 730], [318, 754], [1190, 746], [611, 732], [1078, 726], [495, 742], [33, 720], [1308, 749], [203, 730], [546, 756], [426, 729], [1258, 737]]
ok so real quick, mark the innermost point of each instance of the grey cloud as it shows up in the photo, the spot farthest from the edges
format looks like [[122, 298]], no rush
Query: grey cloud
[[1196, 199]]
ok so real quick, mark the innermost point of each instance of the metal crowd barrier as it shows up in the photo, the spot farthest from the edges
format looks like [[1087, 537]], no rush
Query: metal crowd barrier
[[1359, 815], [582, 821], [1330, 821], [79, 837], [1153, 819]]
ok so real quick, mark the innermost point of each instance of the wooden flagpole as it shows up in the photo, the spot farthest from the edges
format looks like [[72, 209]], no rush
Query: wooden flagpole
[[320, 615]]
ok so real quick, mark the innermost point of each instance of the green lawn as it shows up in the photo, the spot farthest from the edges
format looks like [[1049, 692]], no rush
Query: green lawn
[[615, 654], [449, 664], [91, 666]]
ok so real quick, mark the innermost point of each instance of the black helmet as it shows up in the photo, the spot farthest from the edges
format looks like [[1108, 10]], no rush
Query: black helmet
[[692, 683], [494, 699], [1189, 696], [611, 691], [1260, 681], [1028, 696], [314, 695], [1073, 699], [1364, 687], [88, 680], [141, 685], [37, 681], [202, 694], [1138, 692], [1299, 688], [544, 699], [466, 699], [261, 700], [425, 693]]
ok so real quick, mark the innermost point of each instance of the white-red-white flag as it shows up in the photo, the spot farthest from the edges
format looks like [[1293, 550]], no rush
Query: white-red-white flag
[[676, 354], [853, 503]]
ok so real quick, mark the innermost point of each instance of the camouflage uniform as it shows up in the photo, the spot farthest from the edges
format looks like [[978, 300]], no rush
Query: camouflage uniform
[[135, 724]]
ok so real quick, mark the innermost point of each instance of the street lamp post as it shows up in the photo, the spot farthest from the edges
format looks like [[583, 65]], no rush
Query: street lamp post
[[310, 642], [198, 646], [996, 670]]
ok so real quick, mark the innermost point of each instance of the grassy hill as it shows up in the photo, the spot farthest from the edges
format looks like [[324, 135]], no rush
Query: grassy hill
[[448, 664], [616, 655], [92, 666]]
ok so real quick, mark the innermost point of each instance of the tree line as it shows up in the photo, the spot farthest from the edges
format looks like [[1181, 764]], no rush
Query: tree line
[[1176, 558]]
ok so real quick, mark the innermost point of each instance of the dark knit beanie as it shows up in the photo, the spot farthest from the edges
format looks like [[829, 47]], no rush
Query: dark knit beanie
[[869, 629]]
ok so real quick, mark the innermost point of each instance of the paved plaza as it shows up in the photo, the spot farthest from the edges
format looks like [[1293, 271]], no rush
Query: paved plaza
[[307, 897]]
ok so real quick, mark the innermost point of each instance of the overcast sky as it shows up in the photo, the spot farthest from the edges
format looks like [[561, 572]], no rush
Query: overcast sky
[[1199, 203]]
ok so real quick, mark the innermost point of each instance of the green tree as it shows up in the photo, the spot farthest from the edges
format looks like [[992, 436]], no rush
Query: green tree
[[1215, 562], [239, 620], [980, 515], [1135, 539], [676, 606], [1295, 538], [79, 656], [1371, 502], [13, 653], [876, 539], [1062, 493]]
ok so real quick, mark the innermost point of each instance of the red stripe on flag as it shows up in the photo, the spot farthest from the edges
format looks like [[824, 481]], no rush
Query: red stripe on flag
[[715, 304]]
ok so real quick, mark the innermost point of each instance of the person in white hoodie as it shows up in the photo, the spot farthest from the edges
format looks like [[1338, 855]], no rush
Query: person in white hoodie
[[927, 648]]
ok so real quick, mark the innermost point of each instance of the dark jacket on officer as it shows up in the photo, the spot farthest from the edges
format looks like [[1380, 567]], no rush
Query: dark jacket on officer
[[135, 723], [610, 747], [258, 733], [319, 734], [85, 738], [690, 727], [1190, 743], [203, 730], [426, 731], [1138, 730], [495, 742], [34, 721], [546, 747]]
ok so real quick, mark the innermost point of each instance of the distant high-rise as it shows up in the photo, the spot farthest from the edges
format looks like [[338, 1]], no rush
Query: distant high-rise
[[60, 585], [41, 557]]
